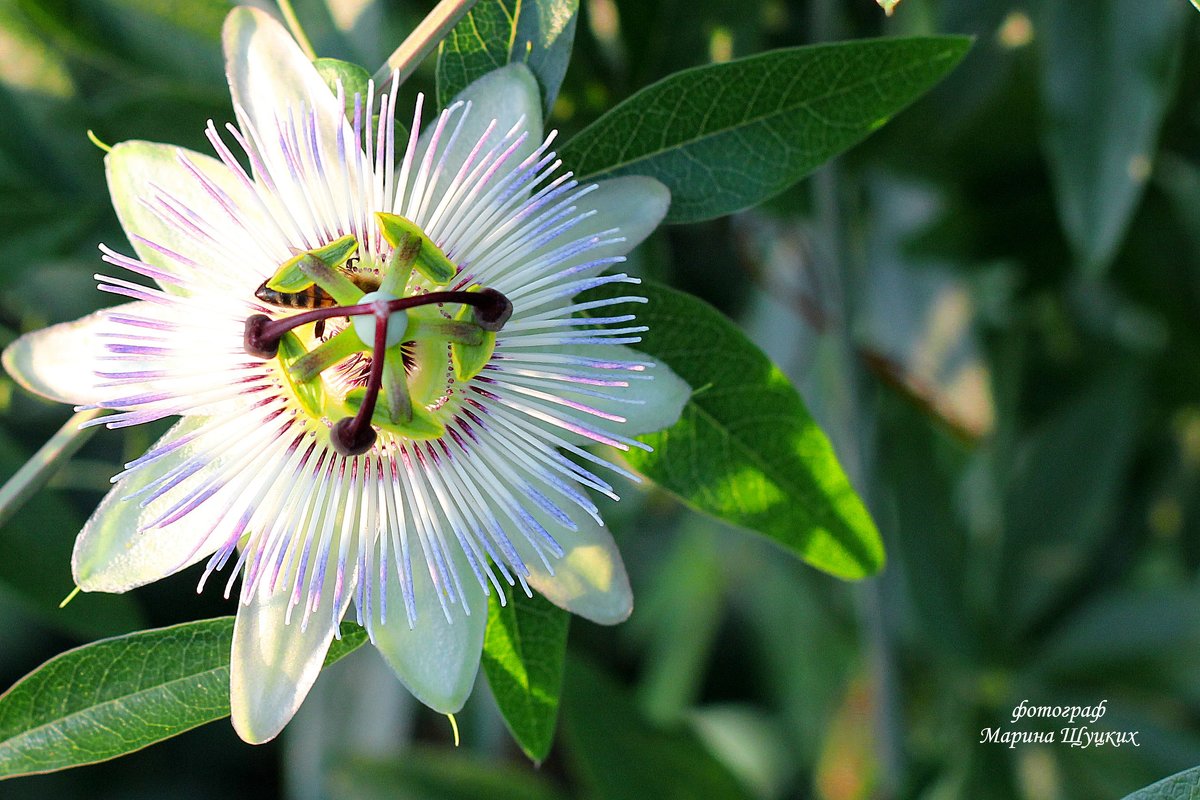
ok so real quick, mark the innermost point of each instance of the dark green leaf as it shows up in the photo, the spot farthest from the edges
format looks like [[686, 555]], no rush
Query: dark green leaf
[[1107, 77], [619, 755], [746, 449], [523, 654], [119, 695], [1121, 627], [1066, 492], [930, 542], [727, 136], [539, 33], [799, 624], [426, 774], [1183, 786], [679, 611]]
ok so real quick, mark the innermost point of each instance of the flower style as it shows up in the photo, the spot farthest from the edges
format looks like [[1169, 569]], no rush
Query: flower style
[[401, 442]]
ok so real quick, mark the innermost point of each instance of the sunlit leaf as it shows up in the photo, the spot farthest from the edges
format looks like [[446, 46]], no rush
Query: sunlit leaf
[[523, 652], [745, 448], [118, 695]]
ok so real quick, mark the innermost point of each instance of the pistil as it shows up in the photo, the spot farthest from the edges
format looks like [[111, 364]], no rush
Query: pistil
[[492, 310], [352, 436]]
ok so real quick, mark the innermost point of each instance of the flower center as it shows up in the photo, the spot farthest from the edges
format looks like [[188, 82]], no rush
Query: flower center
[[401, 341]]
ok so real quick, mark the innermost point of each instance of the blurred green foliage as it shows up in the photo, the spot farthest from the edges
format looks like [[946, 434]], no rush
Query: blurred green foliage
[[990, 306]]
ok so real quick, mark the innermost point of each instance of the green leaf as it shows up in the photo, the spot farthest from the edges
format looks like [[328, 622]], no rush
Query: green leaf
[[679, 611], [727, 136], [1182, 786], [119, 695], [539, 33], [919, 469], [620, 756], [1107, 79], [1066, 493], [1120, 627], [745, 448], [427, 774], [523, 652]]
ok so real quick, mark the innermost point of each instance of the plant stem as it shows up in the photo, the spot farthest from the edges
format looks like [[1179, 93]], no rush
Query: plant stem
[[420, 43], [34, 473], [289, 16]]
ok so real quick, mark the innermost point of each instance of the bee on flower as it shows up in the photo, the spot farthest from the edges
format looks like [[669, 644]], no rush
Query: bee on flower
[[384, 377]]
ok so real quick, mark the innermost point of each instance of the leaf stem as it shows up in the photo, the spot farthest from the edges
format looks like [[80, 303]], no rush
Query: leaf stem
[[420, 43], [34, 473], [293, 23]]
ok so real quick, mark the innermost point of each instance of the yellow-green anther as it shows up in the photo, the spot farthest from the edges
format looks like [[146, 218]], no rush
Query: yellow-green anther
[[338, 251], [398, 268], [298, 273], [422, 425], [431, 261], [289, 277], [310, 393], [469, 358], [395, 387], [427, 381], [345, 344], [336, 284], [447, 330]]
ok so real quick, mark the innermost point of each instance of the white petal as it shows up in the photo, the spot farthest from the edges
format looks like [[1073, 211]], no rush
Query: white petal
[[59, 362], [508, 96], [437, 659], [111, 555], [615, 216], [270, 78], [657, 402], [647, 406], [144, 178], [590, 579], [634, 204], [274, 662]]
